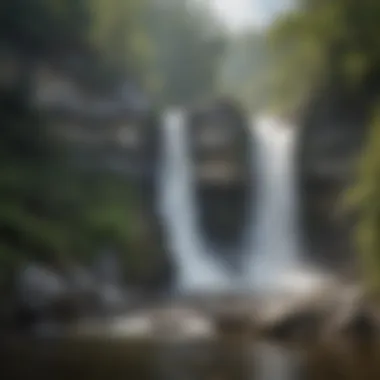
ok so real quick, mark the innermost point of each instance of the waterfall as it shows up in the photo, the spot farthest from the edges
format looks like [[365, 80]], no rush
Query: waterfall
[[274, 243], [275, 260], [197, 269]]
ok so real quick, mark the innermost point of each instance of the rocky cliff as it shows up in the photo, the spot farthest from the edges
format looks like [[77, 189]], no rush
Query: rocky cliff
[[329, 146], [221, 149]]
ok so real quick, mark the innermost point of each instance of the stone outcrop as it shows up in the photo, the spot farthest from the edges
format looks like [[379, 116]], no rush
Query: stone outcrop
[[293, 319], [329, 145], [342, 314], [220, 144], [43, 294]]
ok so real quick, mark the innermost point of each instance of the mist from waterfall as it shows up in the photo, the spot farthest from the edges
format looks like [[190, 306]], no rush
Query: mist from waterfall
[[197, 269]]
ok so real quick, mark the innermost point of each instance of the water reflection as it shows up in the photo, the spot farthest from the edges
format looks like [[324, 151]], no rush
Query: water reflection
[[277, 363], [221, 359]]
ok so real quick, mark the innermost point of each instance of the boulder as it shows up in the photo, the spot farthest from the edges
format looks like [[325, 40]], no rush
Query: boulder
[[298, 325], [231, 312], [356, 318], [168, 323], [296, 318], [37, 287], [42, 295], [343, 313]]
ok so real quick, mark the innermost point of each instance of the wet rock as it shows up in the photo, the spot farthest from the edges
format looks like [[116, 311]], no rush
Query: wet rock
[[181, 323], [297, 319], [36, 287], [107, 267], [110, 284], [299, 325], [231, 313], [356, 318], [362, 325], [343, 313], [223, 213], [42, 295], [166, 323], [79, 279], [221, 147]]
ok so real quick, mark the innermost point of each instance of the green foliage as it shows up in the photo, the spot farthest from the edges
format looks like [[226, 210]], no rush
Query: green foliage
[[364, 198]]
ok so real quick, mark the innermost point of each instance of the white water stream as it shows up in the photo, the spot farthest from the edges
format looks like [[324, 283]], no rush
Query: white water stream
[[273, 262]]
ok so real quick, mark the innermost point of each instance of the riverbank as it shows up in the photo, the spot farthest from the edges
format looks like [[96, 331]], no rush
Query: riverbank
[[326, 314]]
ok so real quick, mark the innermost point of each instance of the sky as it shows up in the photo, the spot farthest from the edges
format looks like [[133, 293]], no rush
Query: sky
[[240, 14]]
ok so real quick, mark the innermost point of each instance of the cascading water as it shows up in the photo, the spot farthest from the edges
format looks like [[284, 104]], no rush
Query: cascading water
[[197, 270], [274, 239], [274, 262]]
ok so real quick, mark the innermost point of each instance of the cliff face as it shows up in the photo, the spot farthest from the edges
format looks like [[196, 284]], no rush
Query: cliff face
[[329, 146], [118, 135], [221, 150]]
